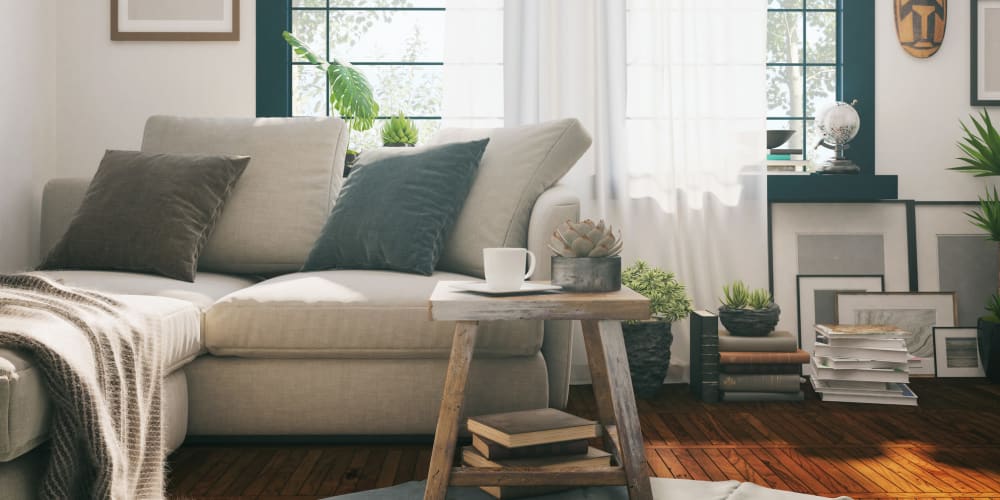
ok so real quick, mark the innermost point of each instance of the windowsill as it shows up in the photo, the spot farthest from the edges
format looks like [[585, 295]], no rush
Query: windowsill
[[831, 188]]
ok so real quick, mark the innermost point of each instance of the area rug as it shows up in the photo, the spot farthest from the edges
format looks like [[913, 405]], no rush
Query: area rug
[[663, 489]]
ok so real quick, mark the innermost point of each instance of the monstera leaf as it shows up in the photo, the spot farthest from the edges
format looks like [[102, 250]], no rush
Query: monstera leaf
[[350, 93]]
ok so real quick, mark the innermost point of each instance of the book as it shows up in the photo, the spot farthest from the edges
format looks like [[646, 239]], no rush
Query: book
[[773, 369], [834, 387], [888, 355], [591, 458], [861, 342], [505, 492], [849, 363], [704, 331], [778, 156], [745, 358], [531, 427], [759, 383], [905, 397], [867, 375], [776, 341], [495, 451], [852, 331], [741, 397]]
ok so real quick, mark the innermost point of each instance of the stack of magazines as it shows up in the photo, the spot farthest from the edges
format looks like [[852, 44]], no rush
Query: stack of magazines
[[862, 364]]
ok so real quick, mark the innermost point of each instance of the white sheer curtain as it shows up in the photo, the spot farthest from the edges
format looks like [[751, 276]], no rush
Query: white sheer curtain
[[674, 93]]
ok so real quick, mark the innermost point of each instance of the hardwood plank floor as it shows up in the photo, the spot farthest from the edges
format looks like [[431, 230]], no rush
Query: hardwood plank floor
[[949, 447]]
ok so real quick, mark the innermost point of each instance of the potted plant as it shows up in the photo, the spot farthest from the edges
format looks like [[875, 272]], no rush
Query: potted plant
[[586, 257], [399, 132], [647, 343], [982, 159], [350, 93], [747, 313]]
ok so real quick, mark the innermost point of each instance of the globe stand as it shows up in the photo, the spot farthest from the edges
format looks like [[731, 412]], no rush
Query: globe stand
[[838, 164]]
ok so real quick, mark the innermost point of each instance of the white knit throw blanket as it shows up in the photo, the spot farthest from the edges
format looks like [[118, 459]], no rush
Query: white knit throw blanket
[[104, 375]]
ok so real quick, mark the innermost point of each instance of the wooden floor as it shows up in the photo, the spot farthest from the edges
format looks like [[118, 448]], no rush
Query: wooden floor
[[949, 447]]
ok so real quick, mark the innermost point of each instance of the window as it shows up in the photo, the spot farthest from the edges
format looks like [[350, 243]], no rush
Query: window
[[804, 65], [397, 44]]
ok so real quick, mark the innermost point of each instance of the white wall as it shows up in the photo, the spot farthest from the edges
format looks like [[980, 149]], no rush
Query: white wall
[[918, 105], [27, 108], [106, 89]]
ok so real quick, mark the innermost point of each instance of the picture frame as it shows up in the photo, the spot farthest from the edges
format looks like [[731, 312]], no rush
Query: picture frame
[[175, 20], [954, 256], [916, 312], [985, 41], [836, 239], [809, 288], [957, 352]]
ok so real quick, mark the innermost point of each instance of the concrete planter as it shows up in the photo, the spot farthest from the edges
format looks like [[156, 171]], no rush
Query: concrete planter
[[587, 274], [647, 344]]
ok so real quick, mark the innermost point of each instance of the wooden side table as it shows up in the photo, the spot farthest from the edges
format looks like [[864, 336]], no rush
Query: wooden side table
[[601, 315]]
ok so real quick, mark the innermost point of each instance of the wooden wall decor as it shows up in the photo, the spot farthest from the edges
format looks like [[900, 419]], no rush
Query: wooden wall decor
[[175, 20], [920, 25]]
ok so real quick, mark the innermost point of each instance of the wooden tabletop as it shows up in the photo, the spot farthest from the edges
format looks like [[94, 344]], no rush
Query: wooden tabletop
[[450, 304]]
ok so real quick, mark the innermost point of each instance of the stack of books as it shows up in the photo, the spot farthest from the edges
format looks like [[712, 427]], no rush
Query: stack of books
[[862, 364], [765, 368], [545, 439]]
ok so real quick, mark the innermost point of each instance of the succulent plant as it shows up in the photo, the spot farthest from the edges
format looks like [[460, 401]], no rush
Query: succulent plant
[[399, 131], [739, 296], [585, 239]]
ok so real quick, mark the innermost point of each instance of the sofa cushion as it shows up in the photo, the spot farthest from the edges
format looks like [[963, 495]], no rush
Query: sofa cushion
[[519, 164], [203, 292], [24, 405], [148, 213], [281, 202], [395, 212], [349, 314]]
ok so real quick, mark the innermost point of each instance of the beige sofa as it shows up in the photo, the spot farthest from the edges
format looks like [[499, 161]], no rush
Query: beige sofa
[[341, 352]]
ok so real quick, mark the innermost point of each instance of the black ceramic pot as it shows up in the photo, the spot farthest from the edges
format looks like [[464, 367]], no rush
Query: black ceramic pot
[[989, 348], [749, 322], [647, 344]]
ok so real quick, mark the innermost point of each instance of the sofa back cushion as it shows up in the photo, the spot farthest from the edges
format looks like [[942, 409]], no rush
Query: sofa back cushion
[[278, 208], [519, 164]]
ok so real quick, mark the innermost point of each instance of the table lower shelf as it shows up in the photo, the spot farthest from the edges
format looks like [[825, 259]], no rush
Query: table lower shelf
[[520, 476]]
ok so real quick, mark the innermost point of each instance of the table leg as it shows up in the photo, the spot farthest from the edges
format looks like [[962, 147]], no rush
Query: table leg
[[615, 401], [448, 424]]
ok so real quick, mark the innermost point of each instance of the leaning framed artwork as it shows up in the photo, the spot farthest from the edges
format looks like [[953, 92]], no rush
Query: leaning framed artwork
[[915, 312], [957, 352], [817, 299], [175, 20], [985, 52]]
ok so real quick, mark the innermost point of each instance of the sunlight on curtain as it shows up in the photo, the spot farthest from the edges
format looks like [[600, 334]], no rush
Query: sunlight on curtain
[[673, 92], [473, 64]]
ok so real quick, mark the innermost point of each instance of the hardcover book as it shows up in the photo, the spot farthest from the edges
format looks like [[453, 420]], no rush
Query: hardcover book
[[886, 331], [495, 451], [867, 375], [741, 397], [776, 341], [861, 342], [888, 355], [591, 458], [858, 364], [899, 394], [532, 427], [762, 369], [759, 383], [743, 358], [704, 329]]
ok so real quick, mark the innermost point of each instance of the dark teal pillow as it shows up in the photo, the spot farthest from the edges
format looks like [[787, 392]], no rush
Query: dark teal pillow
[[395, 211]]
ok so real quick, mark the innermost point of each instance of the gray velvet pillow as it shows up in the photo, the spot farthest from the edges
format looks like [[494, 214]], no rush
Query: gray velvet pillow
[[395, 211], [148, 213]]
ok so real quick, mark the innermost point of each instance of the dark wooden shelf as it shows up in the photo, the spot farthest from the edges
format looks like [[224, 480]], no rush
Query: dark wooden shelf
[[831, 188]]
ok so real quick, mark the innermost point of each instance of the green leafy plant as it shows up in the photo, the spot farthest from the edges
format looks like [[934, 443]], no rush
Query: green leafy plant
[[667, 298], [993, 306], [350, 93], [988, 216], [399, 131], [738, 295]]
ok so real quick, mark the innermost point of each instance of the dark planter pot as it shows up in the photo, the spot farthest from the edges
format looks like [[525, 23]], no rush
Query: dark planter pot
[[749, 322], [587, 274], [647, 344], [349, 160], [989, 348]]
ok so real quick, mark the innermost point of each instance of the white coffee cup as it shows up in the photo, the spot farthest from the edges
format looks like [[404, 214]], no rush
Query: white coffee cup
[[505, 268]]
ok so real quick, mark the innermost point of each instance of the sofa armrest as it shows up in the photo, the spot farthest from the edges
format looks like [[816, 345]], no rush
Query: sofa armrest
[[553, 207], [60, 200]]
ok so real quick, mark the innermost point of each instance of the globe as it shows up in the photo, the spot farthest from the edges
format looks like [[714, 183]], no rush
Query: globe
[[838, 124]]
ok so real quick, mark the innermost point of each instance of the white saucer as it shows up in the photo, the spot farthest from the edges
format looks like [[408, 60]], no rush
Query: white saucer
[[526, 287]]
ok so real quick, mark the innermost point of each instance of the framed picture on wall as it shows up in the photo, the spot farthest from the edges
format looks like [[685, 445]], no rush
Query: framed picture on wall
[[915, 312], [985, 52], [817, 299], [175, 20], [957, 352], [955, 256]]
